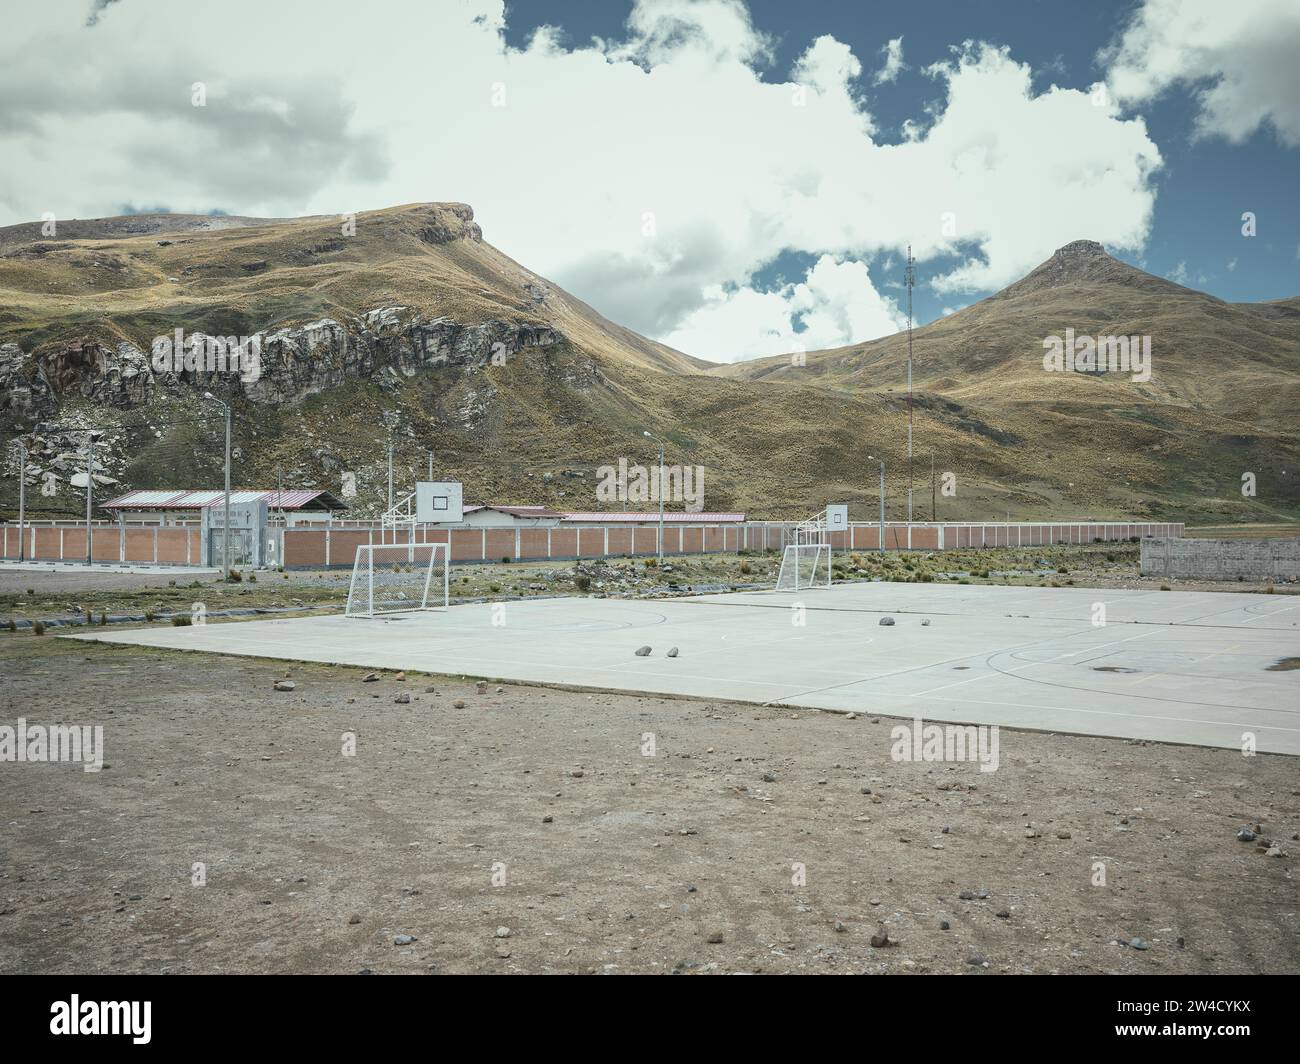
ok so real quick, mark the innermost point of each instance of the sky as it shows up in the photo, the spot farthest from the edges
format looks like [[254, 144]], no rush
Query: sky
[[736, 179]]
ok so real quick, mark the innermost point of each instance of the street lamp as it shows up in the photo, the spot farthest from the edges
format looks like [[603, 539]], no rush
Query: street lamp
[[225, 534], [652, 436]]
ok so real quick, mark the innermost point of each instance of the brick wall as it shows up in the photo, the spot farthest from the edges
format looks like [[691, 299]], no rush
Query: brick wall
[[317, 547]]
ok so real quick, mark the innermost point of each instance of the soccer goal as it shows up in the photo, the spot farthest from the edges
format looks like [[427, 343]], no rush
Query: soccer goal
[[804, 565], [398, 578]]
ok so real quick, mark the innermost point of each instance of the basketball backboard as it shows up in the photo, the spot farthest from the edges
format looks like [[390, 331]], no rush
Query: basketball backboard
[[439, 501], [837, 517]]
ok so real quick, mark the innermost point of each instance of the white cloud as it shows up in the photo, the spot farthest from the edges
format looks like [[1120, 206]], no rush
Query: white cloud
[[1238, 57], [893, 52], [835, 304], [682, 117]]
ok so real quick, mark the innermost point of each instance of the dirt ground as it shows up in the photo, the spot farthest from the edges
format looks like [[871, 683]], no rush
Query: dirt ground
[[539, 811]]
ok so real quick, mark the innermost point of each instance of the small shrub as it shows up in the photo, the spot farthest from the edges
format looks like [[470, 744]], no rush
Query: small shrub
[[103, 619], [745, 568], [13, 625], [235, 577], [582, 582], [181, 620], [252, 578], [1165, 587], [494, 588], [38, 628]]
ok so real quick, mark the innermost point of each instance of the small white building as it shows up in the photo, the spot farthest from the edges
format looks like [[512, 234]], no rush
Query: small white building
[[493, 516]]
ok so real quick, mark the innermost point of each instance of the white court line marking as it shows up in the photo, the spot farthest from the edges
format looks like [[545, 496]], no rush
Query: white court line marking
[[1111, 713], [1273, 613], [1027, 665]]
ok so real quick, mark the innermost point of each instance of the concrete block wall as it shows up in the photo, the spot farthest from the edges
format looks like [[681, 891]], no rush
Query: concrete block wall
[[1222, 559]]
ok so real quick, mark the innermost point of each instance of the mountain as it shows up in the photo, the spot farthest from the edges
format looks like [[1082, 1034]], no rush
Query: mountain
[[1220, 402], [524, 392]]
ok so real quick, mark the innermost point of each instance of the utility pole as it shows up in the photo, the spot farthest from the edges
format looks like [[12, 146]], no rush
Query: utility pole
[[225, 532], [909, 278], [882, 505], [934, 494], [661, 493], [882, 509], [22, 494], [90, 487], [431, 465], [390, 422]]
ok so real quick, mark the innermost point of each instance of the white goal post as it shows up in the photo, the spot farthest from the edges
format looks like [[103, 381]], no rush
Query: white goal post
[[805, 565], [398, 578]]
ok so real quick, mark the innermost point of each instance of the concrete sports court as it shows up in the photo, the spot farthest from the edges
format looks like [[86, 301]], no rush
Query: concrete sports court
[[1179, 667]]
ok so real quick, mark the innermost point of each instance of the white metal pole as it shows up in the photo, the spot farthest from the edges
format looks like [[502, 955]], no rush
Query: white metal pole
[[882, 508], [661, 504], [22, 494], [90, 464], [390, 471], [225, 535]]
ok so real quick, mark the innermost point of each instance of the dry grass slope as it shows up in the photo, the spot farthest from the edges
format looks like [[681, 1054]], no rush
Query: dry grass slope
[[774, 440]]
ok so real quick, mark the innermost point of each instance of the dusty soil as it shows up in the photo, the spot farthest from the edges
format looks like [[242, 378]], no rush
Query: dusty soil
[[316, 862]]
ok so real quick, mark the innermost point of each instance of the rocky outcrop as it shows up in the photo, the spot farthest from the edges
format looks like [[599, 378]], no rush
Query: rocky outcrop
[[288, 363], [451, 221], [23, 390]]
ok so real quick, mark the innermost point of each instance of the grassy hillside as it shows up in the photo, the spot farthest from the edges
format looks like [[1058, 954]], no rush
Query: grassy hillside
[[773, 439]]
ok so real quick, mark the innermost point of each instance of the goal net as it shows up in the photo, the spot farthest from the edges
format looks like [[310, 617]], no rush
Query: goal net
[[397, 578], [805, 565]]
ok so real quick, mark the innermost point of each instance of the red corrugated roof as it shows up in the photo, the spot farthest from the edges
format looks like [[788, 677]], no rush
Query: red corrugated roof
[[516, 511], [634, 516]]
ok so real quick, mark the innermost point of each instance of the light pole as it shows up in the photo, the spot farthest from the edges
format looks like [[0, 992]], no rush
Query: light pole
[[225, 533], [90, 488], [909, 278], [882, 505], [651, 436], [22, 493], [390, 420]]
